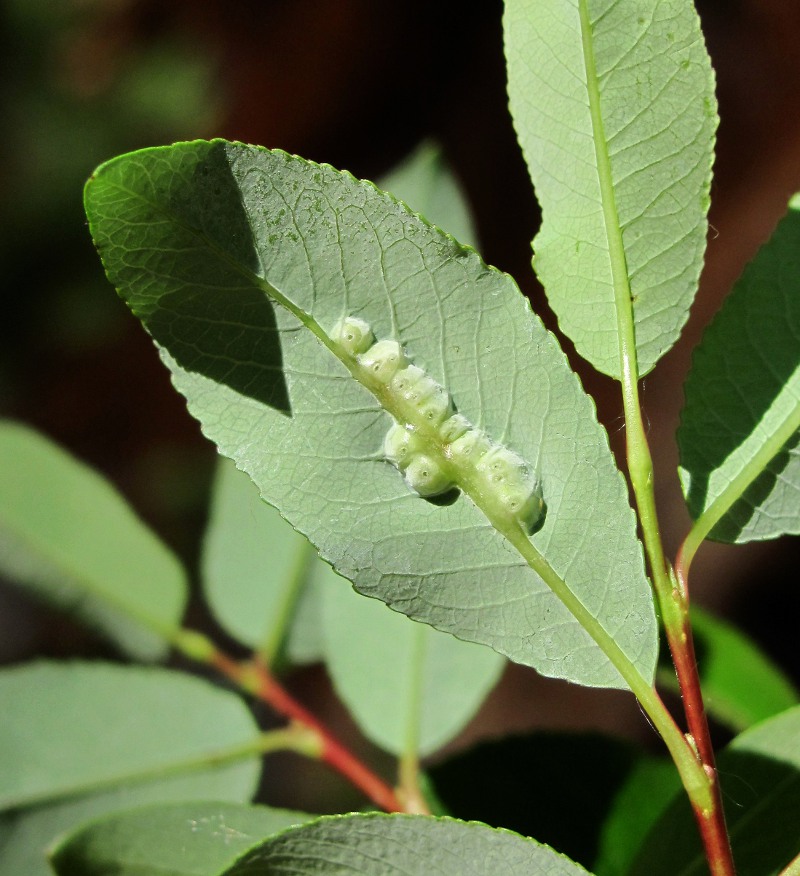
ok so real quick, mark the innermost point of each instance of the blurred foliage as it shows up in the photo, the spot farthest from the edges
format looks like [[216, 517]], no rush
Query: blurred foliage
[[81, 84]]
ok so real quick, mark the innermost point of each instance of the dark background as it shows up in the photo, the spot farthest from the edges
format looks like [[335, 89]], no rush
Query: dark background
[[357, 84]]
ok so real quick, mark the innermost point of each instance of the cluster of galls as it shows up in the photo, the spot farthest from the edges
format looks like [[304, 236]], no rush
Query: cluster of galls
[[502, 477]]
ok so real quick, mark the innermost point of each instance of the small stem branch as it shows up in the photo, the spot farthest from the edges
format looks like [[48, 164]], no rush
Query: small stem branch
[[331, 751], [408, 768], [256, 679]]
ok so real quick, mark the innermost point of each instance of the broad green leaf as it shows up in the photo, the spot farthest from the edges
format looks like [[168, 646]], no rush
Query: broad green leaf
[[741, 685], [75, 728], [70, 538], [738, 438], [256, 572], [255, 567], [401, 845], [172, 839], [613, 102], [760, 777], [89, 739], [410, 687], [203, 238]]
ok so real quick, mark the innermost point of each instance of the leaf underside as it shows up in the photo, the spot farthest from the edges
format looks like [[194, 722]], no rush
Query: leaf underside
[[742, 394], [613, 102], [200, 238]]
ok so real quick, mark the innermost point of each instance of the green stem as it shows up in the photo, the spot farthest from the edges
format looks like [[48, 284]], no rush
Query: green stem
[[270, 648], [704, 791], [691, 770], [408, 769]]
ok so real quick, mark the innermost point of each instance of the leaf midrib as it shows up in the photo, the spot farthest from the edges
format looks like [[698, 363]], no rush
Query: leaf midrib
[[514, 534], [623, 302]]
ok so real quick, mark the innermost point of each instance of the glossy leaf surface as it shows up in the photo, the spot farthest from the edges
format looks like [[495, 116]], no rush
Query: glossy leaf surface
[[760, 776], [741, 685]]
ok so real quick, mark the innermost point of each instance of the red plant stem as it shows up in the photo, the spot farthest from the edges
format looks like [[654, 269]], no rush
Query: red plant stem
[[681, 644], [257, 679]]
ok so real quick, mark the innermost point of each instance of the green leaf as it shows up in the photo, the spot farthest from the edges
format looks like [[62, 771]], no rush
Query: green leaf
[[410, 687], [173, 839], [81, 740], [760, 777], [401, 845], [256, 572], [424, 182], [741, 685], [202, 239], [613, 102], [406, 684], [738, 438], [75, 728], [647, 792], [69, 537]]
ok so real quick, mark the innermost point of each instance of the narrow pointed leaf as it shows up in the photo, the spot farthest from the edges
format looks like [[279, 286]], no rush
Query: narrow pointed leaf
[[256, 572], [613, 102], [760, 777], [411, 688], [171, 839], [202, 239], [69, 537], [738, 438], [401, 845]]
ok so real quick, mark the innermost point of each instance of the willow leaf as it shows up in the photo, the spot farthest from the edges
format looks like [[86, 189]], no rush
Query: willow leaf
[[204, 239], [738, 439], [613, 101]]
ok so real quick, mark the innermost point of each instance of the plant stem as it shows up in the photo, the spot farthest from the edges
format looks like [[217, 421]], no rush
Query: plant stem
[[674, 609], [273, 641], [408, 769], [255, 678]]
